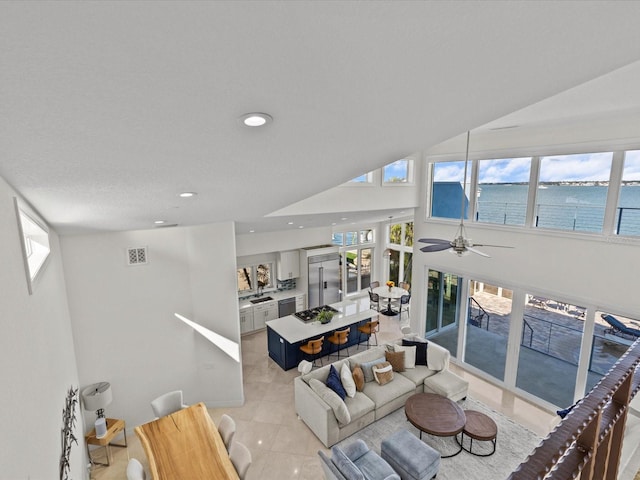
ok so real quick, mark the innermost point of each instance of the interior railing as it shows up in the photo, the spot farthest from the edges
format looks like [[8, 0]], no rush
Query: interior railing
[[587, 443]]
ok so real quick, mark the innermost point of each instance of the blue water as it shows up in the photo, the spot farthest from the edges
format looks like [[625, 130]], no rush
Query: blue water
[[563, 207]]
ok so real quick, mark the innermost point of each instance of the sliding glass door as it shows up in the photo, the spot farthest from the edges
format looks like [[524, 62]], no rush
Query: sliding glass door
[[442, 310]]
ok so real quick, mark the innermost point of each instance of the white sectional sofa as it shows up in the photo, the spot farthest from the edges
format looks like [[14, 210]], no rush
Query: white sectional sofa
[[317, 406]]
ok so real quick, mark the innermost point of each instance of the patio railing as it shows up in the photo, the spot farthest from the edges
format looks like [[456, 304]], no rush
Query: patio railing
[[475, 317], [546, 334]]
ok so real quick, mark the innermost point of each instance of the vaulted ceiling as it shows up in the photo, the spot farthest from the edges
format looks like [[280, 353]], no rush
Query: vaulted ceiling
[[108, 110]]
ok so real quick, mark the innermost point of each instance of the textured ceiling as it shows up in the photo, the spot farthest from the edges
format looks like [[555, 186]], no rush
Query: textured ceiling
[[109, 109]]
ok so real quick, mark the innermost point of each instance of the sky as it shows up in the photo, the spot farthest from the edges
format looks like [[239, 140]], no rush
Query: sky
[[581, 167]]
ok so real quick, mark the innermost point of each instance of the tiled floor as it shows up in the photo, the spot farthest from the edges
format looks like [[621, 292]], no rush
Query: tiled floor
[[282, 446]]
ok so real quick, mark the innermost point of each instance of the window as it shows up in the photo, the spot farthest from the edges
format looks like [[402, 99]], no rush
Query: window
[[628, 213], [572, 191], [362, 179], [442, 309], [397, 172], [356, 259], [35, 245], [503, 187], [400, 245], [254, 277], [447, 190]]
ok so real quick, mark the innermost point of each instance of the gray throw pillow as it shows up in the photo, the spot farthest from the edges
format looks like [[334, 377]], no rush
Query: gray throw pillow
[[367, 368]]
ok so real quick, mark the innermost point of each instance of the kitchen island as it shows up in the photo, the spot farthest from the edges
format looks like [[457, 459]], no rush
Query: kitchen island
[[286, 334]]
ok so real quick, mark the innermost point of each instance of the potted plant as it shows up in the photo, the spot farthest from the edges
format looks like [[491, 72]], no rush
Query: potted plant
[[324, 316]]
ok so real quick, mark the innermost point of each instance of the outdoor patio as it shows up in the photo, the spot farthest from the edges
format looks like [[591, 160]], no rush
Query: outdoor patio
[[550, 344]]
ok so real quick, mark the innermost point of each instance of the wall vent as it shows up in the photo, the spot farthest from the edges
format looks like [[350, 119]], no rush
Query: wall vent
[[137, 256]]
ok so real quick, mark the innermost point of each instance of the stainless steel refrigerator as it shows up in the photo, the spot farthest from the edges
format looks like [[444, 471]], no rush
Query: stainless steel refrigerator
[[324, 279]]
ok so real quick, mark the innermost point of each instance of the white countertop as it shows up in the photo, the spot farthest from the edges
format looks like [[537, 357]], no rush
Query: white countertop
[[293, 330], [276, 295]]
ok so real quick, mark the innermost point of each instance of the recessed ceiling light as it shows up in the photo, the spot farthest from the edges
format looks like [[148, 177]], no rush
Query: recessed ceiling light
[[343, 218], [289, 223], [187, 194], [252, 231], [333, 223], [256, 119], [300, 226], [159, 222]]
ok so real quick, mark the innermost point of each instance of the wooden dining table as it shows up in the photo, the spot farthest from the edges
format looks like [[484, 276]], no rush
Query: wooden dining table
[[186, 445], [393, 293]]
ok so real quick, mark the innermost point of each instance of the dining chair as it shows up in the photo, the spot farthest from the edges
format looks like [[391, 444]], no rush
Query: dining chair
[[369, 328], [227, 430], [339, 337], [312, 348], [135, 470], [374, 284], [241, 458], [405, 286], [404, 305], [167, 403], [374, 301]]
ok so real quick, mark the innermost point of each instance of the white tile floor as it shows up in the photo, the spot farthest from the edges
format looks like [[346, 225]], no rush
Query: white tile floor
[[282, 446]]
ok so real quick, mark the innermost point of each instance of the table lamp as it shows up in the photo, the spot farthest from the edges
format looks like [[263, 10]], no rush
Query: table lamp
[[97, 397]]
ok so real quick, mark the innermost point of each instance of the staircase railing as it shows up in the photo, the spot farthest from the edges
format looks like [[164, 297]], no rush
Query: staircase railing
[[476, 319]]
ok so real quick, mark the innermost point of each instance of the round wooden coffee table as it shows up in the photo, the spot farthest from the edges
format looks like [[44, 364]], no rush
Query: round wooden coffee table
[[435, 415], [478, 427]]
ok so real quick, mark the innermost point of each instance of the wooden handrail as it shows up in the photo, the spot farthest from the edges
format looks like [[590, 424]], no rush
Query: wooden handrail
[[587, 443]]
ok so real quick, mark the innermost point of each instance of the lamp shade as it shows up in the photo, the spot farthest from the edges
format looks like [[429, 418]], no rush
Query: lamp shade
[[97, 396]]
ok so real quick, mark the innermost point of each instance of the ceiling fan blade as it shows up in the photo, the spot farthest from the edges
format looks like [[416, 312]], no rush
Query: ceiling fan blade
[[478, 252], [436, 248], [433, 240], [487, 245]]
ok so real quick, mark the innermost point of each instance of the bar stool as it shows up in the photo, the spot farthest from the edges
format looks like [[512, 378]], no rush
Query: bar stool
[[312, 348], [369, 328], [339, 337]]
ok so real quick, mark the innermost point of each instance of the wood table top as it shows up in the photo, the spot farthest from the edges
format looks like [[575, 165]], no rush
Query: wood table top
[[435, 414], [480, 426], [186, 445]]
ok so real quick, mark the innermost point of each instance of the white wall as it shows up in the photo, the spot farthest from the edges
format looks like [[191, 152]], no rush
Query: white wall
[[37, 364], [257, 243], [123, 316]]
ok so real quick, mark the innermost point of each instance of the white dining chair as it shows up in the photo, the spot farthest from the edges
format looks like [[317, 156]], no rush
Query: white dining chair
[[241, 458], [227, 429], [167, 403], [135, 470]]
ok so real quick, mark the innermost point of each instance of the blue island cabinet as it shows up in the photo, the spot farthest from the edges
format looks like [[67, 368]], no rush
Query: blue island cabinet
[[285, 354], [288, 355]]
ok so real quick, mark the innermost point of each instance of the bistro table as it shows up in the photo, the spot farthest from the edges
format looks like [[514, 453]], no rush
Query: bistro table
[[393, 293], [186, 445]]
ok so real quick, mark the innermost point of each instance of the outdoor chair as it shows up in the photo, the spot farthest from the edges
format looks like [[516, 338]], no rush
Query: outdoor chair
[[618, 328]]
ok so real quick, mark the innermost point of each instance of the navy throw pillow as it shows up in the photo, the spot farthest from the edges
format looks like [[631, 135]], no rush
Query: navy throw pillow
[[421, 350], [335, 384]]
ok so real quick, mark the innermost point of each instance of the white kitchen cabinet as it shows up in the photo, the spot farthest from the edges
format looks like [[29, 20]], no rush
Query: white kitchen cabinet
[[300, 302], [264, 312], [288, 265], [246, 319]]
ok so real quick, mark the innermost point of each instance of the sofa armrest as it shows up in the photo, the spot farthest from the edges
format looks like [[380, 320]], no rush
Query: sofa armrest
[[315, 412]]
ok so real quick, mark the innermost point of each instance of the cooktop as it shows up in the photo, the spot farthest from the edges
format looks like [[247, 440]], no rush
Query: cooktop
[[311, 314]]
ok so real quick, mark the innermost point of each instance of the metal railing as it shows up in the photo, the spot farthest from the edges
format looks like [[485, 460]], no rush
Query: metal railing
[[524, 327], [476, 319], [550, 338]]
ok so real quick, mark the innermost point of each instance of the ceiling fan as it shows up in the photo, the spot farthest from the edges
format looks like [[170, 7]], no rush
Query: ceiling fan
[[461, 243]]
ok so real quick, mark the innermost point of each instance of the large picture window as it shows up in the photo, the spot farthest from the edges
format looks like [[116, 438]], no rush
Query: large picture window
[[503, 187], [572, 191], [447, 189]]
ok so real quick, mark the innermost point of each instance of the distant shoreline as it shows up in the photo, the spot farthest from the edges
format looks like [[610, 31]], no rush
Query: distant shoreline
[[624, 183]]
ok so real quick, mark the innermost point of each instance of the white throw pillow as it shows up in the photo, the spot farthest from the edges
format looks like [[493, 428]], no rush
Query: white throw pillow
[[347, 380], [409, 355], [333, 400]]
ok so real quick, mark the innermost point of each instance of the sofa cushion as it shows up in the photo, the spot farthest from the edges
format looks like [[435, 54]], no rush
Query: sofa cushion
[[368, 366], [333, 400], [334, 382], [323, 372], [383, 394], [383, 373], [418, 374], [347, 380], [396, 359], [409, 355], [345, 465], [437, 357], [366, 356], [329, 468], [421, 350], [358, 378], [359, 405]]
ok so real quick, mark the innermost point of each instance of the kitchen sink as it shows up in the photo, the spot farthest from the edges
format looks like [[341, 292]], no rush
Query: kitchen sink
[[260, 300]]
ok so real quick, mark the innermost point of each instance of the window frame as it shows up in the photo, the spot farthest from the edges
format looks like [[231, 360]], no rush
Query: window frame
[[33, 270]]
